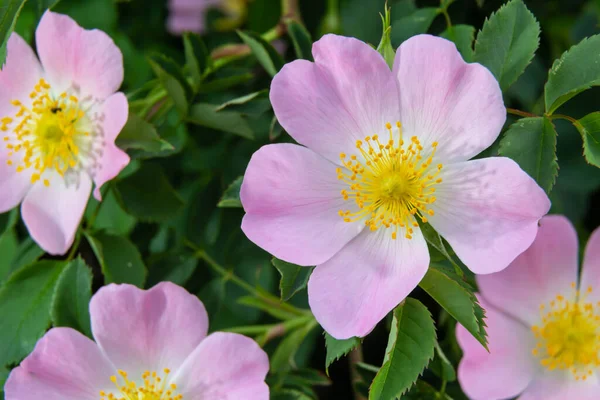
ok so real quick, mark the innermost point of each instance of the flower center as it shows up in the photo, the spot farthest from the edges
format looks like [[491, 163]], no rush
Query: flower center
[[569, 336], [51, 135], [154, 388], [392, 182]]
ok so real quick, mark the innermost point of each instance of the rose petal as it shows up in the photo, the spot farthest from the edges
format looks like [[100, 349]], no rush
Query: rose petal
[[347, 94], [292, 198], [444, 99], [52, 214], [87, 59], [115, 111], [561, 385], [147, 330], [509, 366], [590, 274], [65, 365], [225, 366], [488, 210], [354, 290], [543, 271]]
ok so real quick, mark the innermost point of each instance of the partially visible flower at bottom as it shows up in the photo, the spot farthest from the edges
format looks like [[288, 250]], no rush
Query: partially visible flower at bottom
[[543, 323], [190, 15], [59, 118], [150, 345]]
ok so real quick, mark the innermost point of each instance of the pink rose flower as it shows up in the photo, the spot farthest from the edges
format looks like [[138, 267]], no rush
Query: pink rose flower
[[150, 345], [58, 123], [190, 15], [543, 323], [381, 152]]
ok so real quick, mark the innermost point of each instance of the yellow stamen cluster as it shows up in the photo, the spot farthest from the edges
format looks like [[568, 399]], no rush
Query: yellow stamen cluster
[[568, 337], [46, 135], [155, 388], [392, 182]]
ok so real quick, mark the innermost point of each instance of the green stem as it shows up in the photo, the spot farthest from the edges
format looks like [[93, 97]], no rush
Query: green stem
[[227, 274], [565, 117], [520, 113], [75, 246], [92, 219], [443, 388]]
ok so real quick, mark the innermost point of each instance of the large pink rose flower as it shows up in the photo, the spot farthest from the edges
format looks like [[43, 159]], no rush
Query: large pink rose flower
[[543, 323], [150, 345], [383, 151], [58, 123]]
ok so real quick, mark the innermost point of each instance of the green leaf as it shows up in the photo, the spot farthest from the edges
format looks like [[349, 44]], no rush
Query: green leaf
[[463, 37], [283, 357], [231, 196], [385, 44], [589, 127], [120, 260], [222, 84], [174, 267], [8, 249], [531, 142], [271, 307], [293, 278], [253, 103], [207, 115], [457, 298], [435, 240], [507, 42], [70, 304], [266, 55], [578, 69], [141, 135], [416, 23], [410, 348], [148, 195], [441, 366], [338, 348], [197, 57], [173, 80], [27, 253], [9, 12], [25, 301], [300, 39]]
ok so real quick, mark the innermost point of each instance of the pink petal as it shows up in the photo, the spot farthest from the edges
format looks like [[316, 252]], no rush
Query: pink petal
[[65, 365], [225, 366], [87, 59], [561, 385], [354, 290], [292, 197], [150, 330], [507, 369], [52, 214], [13, 185], [19, 75], [590, 274], [347, 94], [179, 23], [538, 275], [488, 210], [444, 99], [115, 111]]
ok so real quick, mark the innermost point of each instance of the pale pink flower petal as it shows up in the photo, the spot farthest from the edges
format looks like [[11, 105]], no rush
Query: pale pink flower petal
[[507, 369], [72, 56], [590, 274], [354, 290], [347, 94], [488, 210], [115, 111], [52, 214], [537, 276], [18, 76], [65, 365], [178, 23], [561, 385], [291, 196], [225, 366], [444, 99], [147, 330]]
